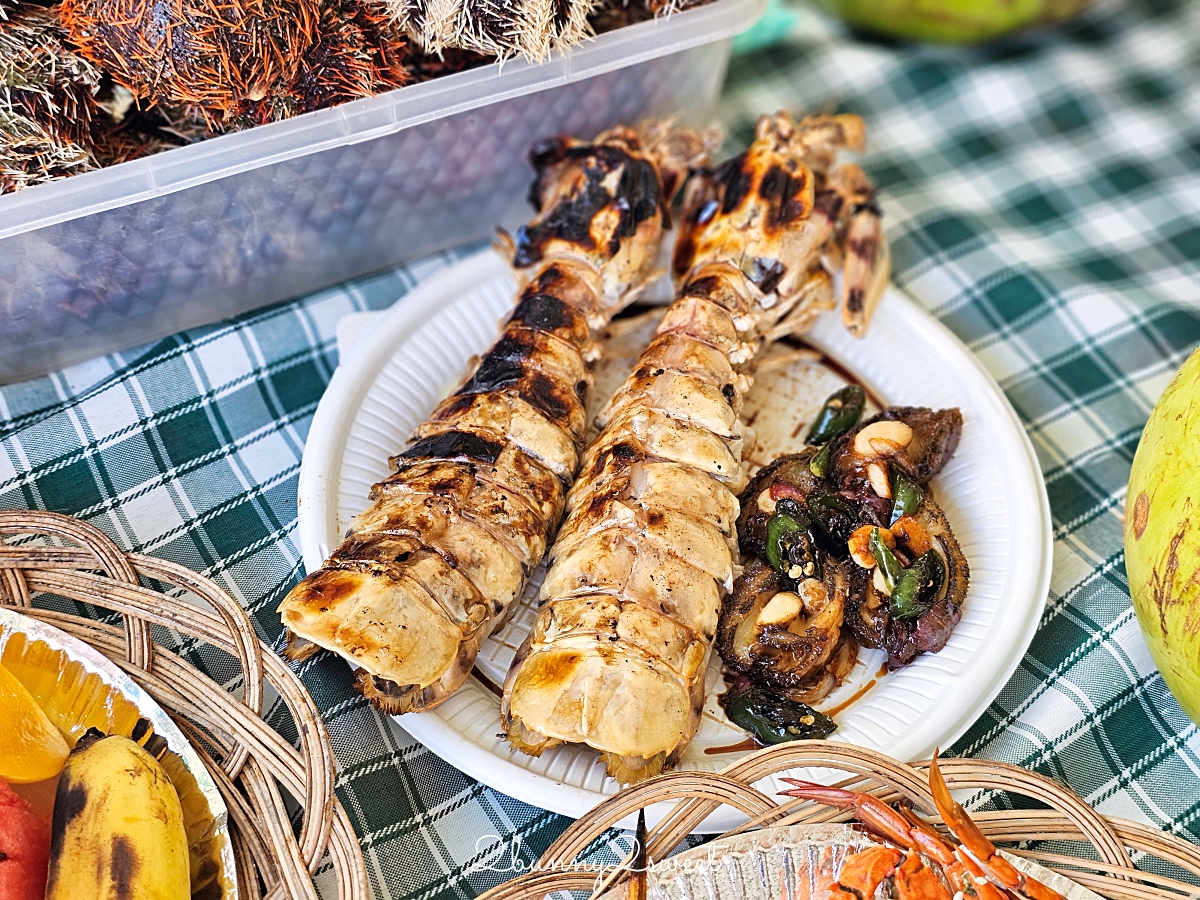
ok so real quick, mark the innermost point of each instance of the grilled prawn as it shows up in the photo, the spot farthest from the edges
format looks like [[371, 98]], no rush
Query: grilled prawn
[[629, 606], [437, 560]]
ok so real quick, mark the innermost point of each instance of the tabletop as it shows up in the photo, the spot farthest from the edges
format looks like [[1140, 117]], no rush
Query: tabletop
[[1042, 198]]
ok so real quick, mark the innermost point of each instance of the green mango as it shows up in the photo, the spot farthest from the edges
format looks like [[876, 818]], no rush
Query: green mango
[[951, 21], [1162, 535]]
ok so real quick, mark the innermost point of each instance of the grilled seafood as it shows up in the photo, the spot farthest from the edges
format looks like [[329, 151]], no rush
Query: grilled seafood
[[629, 607], [922, 864], [434, 564]]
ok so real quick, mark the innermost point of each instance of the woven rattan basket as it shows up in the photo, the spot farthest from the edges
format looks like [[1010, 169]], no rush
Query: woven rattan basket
[[1101, 856], [253, 765]]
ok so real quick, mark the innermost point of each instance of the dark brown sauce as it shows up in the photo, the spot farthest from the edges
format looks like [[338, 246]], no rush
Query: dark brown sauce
[[854, 698], [836, 367], [741, 747], [487, 682], [883, 670]]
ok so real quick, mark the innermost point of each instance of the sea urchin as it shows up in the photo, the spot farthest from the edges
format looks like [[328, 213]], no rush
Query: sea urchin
[[46, 102], [215, 55]]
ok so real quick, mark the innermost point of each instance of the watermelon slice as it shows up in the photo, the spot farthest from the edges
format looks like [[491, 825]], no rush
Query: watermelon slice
[[24, 848]]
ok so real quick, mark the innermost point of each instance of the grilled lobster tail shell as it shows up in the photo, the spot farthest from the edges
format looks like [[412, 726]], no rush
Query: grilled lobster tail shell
[[438, 559], [617, 656]]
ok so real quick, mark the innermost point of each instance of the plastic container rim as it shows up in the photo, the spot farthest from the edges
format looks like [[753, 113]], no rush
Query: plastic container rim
[[363, 120]]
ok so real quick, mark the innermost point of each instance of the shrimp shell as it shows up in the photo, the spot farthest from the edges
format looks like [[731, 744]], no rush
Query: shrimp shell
[[438, 559], [617, 656]]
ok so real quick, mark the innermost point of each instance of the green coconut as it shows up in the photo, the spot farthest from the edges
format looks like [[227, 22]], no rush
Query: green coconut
[[951, 21], [1162, 535]]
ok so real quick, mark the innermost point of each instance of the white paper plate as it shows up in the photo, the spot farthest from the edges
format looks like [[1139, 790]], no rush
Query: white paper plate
[[395, 371]]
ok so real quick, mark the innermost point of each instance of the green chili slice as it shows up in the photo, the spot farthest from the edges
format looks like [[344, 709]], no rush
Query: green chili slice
[[822, 459], [840, 413], [774, 720], [918, 586], [907, 495], [885, 559], [781, 531]]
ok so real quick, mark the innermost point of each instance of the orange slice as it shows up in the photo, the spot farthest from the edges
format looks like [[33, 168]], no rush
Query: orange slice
[[31, 748]]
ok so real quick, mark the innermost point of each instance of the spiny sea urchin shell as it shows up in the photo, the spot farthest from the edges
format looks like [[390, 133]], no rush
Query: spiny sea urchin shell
[[212, 54], [359, 53], [422, 66], [46, 105], [502, 28]]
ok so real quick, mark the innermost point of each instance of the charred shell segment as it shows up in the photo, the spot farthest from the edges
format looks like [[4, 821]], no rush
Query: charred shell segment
[[707, 322], [696, 543], [521, 350], [503, 415], [659, 484], [726, 285], [544, 371], [485, 559], [679, 352], [690, 399], [614, 562], [397, 699], [407, 557], [573, 282], [386, 619], [498, 511], [604, 618], [513, 469], [553, 316], [450, 445], [594, 690], [463, 484], [664, 437]]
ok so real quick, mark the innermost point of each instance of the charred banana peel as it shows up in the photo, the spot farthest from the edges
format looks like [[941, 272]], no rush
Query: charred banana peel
[[617, 656], [438, 559]]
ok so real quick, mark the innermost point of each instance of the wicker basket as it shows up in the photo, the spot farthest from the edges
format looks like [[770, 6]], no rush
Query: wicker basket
[[1107, 868], [251, 763]]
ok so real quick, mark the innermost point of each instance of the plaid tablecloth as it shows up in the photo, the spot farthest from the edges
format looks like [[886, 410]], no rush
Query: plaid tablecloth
[[1042, 198]]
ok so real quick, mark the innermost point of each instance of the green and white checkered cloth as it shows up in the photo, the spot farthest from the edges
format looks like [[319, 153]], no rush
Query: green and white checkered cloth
[[1043, 200]]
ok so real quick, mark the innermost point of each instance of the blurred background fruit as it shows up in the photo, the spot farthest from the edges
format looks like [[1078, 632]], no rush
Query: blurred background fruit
[[951, 21], [1162, 535]]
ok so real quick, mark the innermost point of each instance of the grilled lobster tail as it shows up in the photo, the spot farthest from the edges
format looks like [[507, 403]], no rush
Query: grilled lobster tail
[[438, 559], [617, 656]]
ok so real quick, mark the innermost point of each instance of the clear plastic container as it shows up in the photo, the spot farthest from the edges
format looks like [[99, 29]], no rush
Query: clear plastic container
[[113, 258]]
